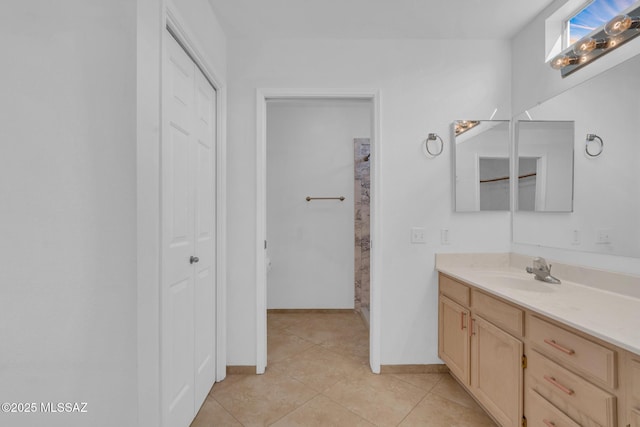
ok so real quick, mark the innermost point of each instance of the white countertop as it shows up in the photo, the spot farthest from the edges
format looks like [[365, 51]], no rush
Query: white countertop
[[612, 317]]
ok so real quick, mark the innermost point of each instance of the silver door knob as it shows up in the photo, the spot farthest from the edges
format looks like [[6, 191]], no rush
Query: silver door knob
[[193, 260]]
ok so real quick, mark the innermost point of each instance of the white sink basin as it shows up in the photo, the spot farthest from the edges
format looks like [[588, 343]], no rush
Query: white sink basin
[[516, 281]]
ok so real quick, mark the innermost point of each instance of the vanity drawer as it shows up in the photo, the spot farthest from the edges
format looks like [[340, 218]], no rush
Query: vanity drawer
[[540, 412], [499, 313], [585, 403], [585, 356], [454, 290]]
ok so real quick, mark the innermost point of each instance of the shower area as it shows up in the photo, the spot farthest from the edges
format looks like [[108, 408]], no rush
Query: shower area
[[362, 181]]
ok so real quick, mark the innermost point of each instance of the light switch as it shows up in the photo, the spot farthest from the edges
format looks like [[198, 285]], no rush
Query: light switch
[[418, 235], [444, 236], [575, 237]]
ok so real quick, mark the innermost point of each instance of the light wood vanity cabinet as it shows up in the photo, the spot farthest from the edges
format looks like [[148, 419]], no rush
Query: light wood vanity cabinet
[[481, 355], [571, 379]]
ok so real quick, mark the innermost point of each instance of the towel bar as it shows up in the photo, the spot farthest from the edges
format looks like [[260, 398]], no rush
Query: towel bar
[[341, 198]]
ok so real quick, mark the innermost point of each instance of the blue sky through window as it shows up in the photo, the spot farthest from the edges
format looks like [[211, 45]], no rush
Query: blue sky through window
[[597, 13]]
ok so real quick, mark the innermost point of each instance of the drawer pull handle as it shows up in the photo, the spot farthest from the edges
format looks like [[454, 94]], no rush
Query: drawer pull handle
[[557, 346], [549, 423], [462, 322], [560, 386]]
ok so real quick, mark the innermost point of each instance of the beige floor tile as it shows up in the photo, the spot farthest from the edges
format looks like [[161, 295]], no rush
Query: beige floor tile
[[425, 382], [383, 400], [450, 389], [213, 415], [356, 347], [281, 345], [258, 400], [436, 411], [318, 368], [227, 382], [284, 320], [320, 327], [322, 412], [310, 353]]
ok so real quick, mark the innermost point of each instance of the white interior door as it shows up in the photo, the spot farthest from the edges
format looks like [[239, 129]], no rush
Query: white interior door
[[205, 238], [188, 237]]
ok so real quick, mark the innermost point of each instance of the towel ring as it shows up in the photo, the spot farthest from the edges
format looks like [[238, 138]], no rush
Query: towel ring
[[433, 137], [593, 137]]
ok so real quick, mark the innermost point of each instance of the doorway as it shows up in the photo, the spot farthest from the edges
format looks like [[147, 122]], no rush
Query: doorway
[[313, 196]]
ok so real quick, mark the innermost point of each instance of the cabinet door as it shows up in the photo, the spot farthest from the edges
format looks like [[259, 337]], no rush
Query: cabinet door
[[453, 337], [496, 367], [633, 396]]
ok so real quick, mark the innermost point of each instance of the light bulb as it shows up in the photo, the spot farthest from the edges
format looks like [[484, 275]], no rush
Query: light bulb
[[561, 61], [589, 44], [620, 24]]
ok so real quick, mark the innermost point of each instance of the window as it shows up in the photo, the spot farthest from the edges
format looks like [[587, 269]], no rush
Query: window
[[593, 15]]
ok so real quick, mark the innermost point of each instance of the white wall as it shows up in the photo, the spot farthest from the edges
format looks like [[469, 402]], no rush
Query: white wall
[[310, 152], [78, 182], [534, 82], [68, 191], [424, 86]]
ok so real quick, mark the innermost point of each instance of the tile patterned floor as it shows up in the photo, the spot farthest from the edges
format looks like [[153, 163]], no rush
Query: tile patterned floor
[[318, 375]]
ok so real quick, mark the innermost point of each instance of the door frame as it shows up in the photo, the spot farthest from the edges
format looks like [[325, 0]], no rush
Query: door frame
[[262, 96], [153, 21]]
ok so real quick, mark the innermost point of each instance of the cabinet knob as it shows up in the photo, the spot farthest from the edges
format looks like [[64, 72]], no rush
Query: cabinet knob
[[193, 259]]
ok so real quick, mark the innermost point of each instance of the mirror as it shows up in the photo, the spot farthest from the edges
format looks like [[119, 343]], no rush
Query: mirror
[[481, 165], [545, 165], [606, 194]]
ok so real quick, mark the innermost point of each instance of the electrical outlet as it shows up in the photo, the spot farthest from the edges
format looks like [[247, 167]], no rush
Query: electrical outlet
[[444, 236], [603, 236], [418, 235]]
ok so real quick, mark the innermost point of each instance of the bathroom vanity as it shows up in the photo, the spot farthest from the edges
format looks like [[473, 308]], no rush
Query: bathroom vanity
[[539, 354]]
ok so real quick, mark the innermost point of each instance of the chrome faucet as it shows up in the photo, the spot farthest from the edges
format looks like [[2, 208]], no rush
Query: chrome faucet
[[542, 271]]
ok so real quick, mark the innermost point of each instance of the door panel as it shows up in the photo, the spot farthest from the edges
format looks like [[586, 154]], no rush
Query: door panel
[[177, 239], [497, 372], [205, 227], [453, 338], [180, 302], [188, 230]]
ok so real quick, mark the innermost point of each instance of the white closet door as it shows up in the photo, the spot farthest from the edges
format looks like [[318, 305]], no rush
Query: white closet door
[[205, 228], [188, 238], [178, 238]]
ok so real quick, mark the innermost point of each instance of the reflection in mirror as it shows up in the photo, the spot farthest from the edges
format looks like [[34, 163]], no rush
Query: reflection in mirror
[[545, 166], [481, 165], [606, 201]]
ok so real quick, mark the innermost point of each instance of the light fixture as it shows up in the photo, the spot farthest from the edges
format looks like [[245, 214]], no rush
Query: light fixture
[[561, 61], [588, 44], [620, 24], [433, 137], [461, 126], [602, 40]]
